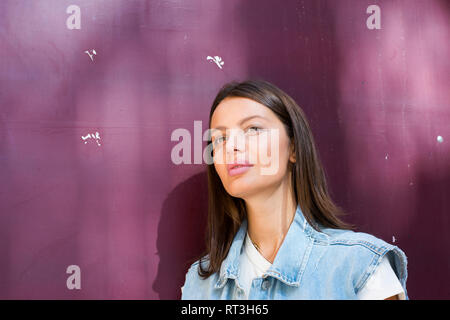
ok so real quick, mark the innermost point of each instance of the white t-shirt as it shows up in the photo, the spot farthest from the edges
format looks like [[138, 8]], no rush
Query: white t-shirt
[[382, 284]]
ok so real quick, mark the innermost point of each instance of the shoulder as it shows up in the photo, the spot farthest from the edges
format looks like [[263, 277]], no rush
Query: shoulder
[[195, 266], [382, 284], [193, 270], [352, 238], [366, 252], [195, 287]]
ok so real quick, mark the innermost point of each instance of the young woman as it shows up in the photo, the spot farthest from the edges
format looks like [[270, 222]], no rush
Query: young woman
[[273, 230]]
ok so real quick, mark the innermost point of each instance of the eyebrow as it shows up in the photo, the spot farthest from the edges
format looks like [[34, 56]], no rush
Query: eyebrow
[[241, 122]]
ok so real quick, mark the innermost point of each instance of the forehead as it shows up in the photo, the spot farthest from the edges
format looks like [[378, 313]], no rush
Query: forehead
[[232, 109]]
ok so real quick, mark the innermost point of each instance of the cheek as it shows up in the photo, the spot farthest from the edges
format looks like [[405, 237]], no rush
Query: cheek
[[260, 149], [220, 164], [272, 153], [219, 156], [221, 170], [252, 149]]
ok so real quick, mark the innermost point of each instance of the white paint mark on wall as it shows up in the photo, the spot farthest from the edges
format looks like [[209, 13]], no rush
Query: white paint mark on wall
[[440, 139], [217, 60], [386, 157], [96, 137], [393, 239], [74, 20], [409, 174], [91, 55]]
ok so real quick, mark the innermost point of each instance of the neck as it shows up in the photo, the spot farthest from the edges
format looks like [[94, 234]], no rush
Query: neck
[[269, 215]]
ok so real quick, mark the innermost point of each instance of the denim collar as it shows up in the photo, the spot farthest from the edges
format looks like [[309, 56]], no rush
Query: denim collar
[[291, 258]]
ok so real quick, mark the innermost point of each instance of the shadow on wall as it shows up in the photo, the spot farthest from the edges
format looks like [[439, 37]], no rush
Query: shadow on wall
[[181, 232]]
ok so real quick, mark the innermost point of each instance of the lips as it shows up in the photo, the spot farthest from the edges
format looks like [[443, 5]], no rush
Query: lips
[[238, 168]]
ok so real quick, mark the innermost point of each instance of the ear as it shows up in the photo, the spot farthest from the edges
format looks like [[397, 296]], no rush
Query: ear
[[292, 157]]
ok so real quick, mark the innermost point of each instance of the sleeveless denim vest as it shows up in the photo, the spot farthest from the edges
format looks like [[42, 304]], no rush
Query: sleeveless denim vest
[[332, 264]]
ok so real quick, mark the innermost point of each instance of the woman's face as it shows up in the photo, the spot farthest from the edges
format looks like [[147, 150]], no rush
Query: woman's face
[[245, 131]]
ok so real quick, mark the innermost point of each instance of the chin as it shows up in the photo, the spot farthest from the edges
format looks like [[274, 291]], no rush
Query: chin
[[241, 188]]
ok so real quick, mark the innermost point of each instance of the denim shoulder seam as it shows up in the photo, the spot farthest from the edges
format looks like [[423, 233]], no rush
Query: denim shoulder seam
[[376, 260], [402, 269], [378, 249]]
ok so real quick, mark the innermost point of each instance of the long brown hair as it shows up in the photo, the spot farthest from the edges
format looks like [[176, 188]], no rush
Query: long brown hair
[[225, 212]]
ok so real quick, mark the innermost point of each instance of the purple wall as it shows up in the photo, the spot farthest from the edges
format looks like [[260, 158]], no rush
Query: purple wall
[[120, 209]]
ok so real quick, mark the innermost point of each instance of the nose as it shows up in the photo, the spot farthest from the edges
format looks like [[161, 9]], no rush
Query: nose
[[235, 142]]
